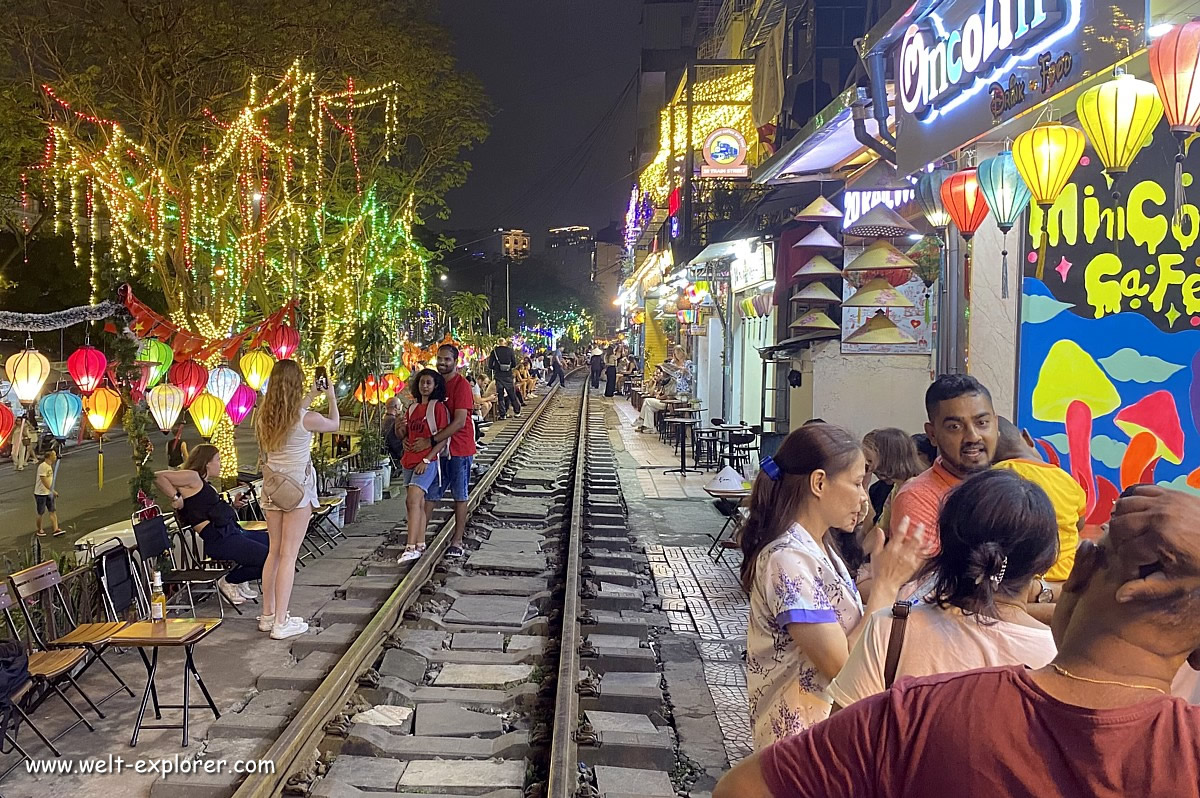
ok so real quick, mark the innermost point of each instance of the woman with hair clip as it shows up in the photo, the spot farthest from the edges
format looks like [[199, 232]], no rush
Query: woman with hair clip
[[284, 428], [998, 532], [805, 611]]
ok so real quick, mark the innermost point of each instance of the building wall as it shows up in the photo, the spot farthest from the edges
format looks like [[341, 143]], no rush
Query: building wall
[[656, 341], [863, 392], [992, 327], [709, 358]]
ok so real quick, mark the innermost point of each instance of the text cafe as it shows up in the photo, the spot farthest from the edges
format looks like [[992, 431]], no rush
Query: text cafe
[[1050, 142]]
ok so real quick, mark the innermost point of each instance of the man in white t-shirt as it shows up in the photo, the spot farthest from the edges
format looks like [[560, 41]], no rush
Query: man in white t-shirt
[[44, 493]]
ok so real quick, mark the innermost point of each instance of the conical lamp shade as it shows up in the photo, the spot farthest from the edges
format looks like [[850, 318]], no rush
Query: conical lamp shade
[[880, 222], [816, 294], [880, 256], [818, 239], [814, 320], [727, 480], [879, 329], [878, 293], [819, 210], [818, 267]]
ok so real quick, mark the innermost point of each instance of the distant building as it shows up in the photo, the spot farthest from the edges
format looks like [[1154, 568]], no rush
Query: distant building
[[572, 253], [513, 243]]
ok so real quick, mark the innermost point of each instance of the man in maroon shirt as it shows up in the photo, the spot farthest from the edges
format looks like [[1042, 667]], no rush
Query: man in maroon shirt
[[1095, 722]]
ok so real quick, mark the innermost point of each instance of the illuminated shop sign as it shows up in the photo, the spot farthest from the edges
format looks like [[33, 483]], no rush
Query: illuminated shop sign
[[859, 202], [724, 154], [964, 67]]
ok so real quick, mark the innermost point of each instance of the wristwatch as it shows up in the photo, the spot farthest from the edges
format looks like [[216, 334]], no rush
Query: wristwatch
[[1045, 595]]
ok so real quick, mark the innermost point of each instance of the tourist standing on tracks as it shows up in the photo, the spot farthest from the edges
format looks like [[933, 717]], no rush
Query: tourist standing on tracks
[[423, 419], [596, 363], [558, 368], [284, 429], [503, 364], [456, 473], [805, 610], [610, 371]]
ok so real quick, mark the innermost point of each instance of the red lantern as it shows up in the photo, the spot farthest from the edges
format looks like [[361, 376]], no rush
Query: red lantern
[[284, 341], [964, 201], [191, 377], [1175, 66], [86, 366], [7, 421], [240, 404]]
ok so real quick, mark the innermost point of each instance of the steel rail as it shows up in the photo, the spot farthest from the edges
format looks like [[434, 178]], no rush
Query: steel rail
[[562, 778], [301, 736]]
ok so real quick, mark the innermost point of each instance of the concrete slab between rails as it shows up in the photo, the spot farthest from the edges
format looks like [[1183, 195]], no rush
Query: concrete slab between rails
[[519, 657], [477, 641], [611, 622], [474, 778], [491, 559], [333, 639], [367, 772], [369, 588], [616, 576], [366, 740], [630, 660], [327, 572], [534, 626], [482, 675], [614, 781], [652, 750], [505, 533], [352, 548], [456, 720], [404, 665], [532, 509], [491, 545], [327, 788], [356, 612], [489, 610]]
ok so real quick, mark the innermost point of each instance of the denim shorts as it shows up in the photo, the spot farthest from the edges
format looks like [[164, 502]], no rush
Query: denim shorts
[[45, 503], [423, 481], [456, 477]]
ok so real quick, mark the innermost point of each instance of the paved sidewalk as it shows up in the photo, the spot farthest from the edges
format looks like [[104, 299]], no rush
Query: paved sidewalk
[[703, 600]]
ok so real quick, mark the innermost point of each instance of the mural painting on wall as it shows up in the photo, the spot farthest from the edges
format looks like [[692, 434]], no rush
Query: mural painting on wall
[[1110, 328]]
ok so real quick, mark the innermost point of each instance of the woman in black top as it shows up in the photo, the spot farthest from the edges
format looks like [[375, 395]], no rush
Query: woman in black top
[[198, 505], [177, 450]]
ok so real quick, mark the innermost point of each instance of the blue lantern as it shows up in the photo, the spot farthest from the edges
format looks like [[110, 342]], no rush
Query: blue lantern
[[1007, 196], [929, 196], [61, 411]]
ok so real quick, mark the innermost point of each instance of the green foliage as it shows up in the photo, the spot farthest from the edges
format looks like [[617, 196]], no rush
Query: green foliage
[[468, 308], [137, 417]]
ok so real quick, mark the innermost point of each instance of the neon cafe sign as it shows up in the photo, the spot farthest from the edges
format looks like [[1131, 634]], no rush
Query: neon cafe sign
[[939, 69], [859, 202]]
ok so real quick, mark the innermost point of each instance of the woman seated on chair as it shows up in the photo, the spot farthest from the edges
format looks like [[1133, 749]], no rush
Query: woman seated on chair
[[484, 391], [198, 505]]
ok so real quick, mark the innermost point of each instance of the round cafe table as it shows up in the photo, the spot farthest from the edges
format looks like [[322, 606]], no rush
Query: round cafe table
[[683, 424]]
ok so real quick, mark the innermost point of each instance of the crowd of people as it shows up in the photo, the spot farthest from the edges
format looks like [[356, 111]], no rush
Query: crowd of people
[[908, 613]]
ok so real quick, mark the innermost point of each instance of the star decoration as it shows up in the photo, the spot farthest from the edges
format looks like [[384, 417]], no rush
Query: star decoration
[[1063, 268], [1172, 315]]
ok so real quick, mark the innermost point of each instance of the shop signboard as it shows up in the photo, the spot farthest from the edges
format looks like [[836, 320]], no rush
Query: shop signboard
[[1109, 377], [750, 268], [724, 154], [966, 66]]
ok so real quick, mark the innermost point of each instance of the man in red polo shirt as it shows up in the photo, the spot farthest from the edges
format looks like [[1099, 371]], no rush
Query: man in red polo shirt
[[456, 475], [962, 424]]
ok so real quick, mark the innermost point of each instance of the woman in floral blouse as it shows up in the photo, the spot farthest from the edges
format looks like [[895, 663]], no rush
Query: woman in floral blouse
[[805, 611]]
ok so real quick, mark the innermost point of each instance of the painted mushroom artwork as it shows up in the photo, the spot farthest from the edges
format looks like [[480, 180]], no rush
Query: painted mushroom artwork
[[1073, 390], [1155, 433]]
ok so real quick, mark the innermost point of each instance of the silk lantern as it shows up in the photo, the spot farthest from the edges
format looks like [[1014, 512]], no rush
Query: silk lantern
[[1046, 156], [27, 371], [256, 367], [929, 196], [240, 404], [223, 382], [1008, 197], [7, 422], [166, 402], [206, 412], [101, 407], [283, 342], [1118, 117], [160, 355], [1175, 67], [87, 365], [191, 377], [967, 208], [61, 411]]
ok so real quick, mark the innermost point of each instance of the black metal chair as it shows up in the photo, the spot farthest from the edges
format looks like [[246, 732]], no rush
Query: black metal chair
[[190, 574]]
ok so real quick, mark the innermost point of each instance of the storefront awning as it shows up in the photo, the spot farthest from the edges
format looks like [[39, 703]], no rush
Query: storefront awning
[[721, 250], [823, 145]]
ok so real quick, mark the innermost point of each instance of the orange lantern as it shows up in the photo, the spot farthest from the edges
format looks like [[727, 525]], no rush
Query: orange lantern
[[7, 422], [101, 408], [963, 199], [1175, 67]]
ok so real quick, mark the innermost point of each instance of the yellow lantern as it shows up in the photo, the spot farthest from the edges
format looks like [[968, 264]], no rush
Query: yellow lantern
[[1118, 117], [1046, 157], [207, 411], [256, 367], [27, 370], [101, 408]]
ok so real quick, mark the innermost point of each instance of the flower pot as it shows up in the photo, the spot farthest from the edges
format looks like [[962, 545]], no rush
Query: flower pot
[[351, 507], [386, 465], [338, 516], [379, 484], [365, 482]]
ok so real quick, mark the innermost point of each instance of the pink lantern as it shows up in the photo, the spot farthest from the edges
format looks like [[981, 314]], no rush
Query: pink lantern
[[240, 404], [283, 341]]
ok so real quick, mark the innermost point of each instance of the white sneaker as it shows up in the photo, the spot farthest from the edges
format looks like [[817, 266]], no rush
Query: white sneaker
[[229, 592], [246, 591], [294, 626], [265, 622], [409, 555]]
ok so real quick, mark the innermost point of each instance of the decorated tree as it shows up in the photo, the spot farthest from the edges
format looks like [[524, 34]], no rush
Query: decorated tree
[[468, 308]]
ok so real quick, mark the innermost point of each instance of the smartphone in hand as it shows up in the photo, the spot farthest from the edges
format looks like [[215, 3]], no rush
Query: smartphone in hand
[[322, 379]]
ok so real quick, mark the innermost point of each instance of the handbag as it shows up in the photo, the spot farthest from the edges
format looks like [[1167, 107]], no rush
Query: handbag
[[895, 641], [281, 490]]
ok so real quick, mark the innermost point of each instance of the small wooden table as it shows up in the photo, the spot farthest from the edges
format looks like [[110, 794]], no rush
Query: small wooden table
[[182, 633]]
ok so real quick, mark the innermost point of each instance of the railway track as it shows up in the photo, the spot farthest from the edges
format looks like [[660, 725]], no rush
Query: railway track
[[528, 669]]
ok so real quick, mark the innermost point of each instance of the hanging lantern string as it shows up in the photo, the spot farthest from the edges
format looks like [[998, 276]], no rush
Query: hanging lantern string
[[45, 322]]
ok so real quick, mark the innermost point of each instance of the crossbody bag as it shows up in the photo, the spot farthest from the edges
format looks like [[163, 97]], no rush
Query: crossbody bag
[[431, 422], [282, 490], [891, 662]]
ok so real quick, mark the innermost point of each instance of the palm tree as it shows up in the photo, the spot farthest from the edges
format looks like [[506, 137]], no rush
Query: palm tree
[[468, 308]]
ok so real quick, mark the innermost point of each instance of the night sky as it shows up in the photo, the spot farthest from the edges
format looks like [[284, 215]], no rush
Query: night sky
[[553, 69]]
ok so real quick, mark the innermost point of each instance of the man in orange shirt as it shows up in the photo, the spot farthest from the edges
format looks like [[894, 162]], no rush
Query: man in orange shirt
[[962, 424]]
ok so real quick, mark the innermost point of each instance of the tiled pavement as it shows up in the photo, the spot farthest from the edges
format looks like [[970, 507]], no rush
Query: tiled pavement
[[702, 599]]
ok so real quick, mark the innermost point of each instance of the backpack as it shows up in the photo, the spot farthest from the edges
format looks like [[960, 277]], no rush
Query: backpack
[[14, 668]]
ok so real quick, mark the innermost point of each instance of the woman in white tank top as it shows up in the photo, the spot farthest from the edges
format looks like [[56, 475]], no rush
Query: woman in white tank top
[[284, 428]]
